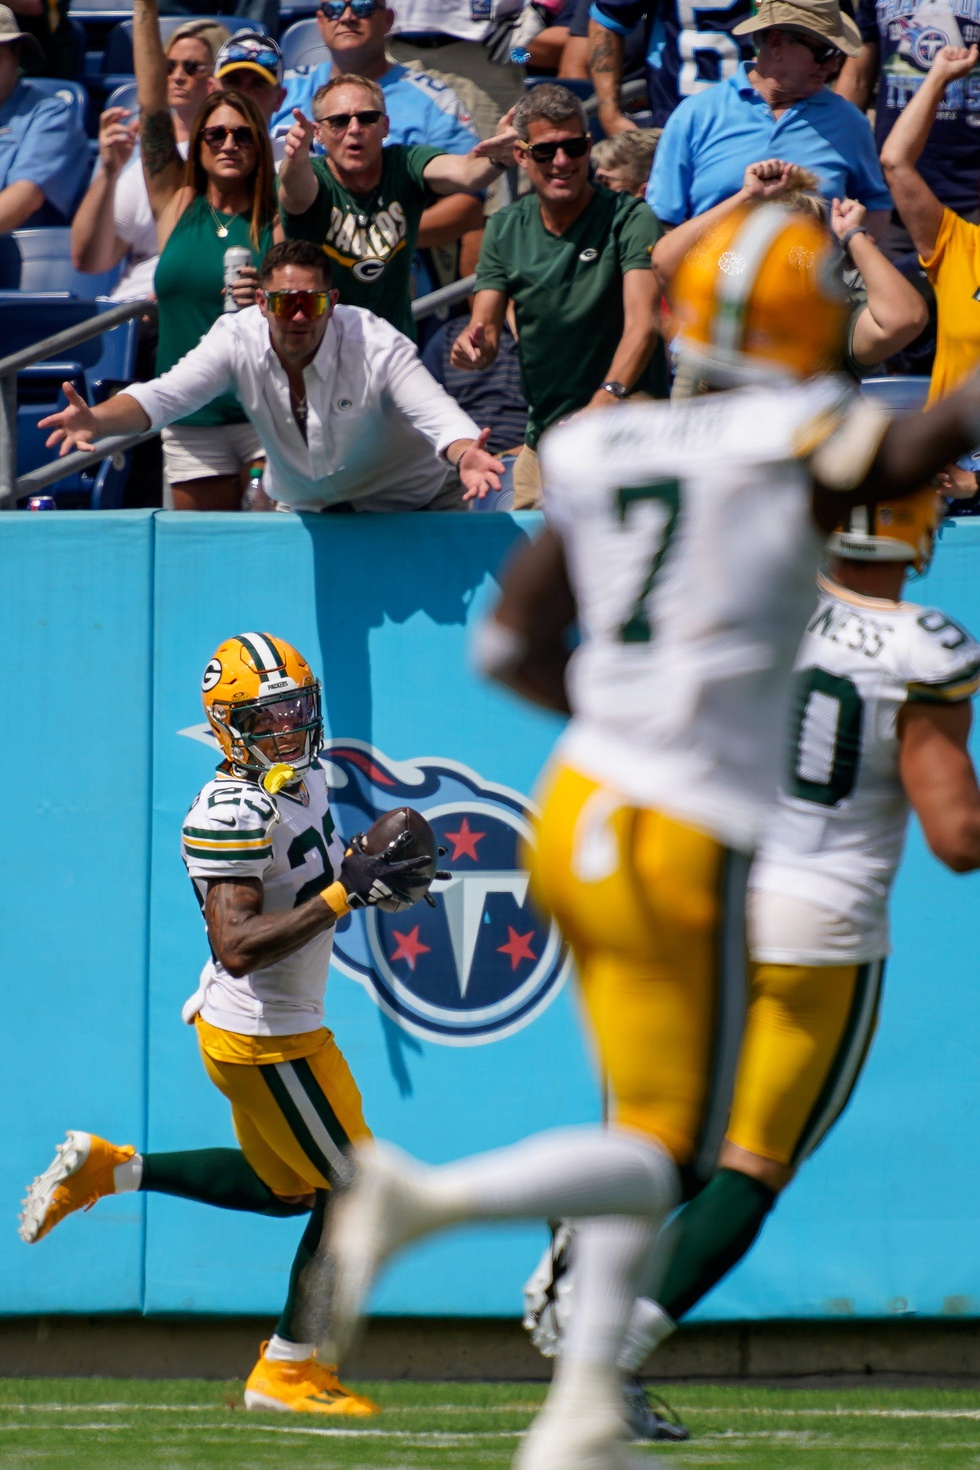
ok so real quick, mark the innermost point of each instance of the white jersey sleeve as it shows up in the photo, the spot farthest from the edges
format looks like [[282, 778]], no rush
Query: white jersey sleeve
[[228, 831], [943, 664]]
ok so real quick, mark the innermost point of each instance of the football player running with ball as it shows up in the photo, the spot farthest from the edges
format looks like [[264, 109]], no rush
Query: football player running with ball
[[272, 877], [880, 720], [684, 540]]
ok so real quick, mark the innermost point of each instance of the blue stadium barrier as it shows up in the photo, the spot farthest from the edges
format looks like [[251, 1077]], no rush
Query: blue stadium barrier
[[107, 622]]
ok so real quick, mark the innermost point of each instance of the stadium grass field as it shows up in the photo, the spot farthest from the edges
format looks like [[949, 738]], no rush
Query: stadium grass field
[[194, 1425]]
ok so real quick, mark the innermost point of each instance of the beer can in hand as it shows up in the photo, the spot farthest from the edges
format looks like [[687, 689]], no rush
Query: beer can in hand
[[235, 257]]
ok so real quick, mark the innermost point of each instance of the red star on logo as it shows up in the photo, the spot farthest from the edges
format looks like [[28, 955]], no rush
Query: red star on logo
[[518, 946], [464, 841], [409, 947]]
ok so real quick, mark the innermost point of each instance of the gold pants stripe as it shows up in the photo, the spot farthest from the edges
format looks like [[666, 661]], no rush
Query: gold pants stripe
[[294, 1120], [808, 1032], [653, 911]]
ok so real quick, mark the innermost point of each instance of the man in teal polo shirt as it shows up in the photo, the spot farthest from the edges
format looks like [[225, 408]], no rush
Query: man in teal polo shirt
[[575, 259], [780, 106]]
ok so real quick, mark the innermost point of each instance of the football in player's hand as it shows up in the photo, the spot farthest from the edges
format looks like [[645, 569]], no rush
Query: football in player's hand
[[407, 827]]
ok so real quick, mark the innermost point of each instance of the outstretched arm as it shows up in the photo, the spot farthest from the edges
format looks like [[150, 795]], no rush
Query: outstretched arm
[[298, 185], [916, 203], [895, 313], [766, 180], [163, 166], [456, 173]]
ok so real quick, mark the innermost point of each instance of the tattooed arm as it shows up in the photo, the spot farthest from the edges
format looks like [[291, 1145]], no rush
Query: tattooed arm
[[163, 167], [606, 71], [246, 939]]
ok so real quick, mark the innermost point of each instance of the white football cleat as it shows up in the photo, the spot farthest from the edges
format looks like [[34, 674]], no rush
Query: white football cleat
[[563, 1440], [387, 1205]]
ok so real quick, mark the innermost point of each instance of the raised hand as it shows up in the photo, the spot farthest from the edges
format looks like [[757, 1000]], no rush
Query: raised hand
[[300, 137], [846, 214], [245, 287], [117, 139], [479, 471], [501, 147], [953, 62], [767, 179], [74, 427]]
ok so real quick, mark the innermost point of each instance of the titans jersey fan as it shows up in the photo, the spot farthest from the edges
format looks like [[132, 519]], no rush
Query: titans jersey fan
[[688, 46], [837, 837], [692, 549], [235, 829]]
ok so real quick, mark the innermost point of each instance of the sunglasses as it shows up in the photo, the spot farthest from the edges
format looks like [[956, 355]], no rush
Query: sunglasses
[[189, 68], [359, 9], [215, 137], [820, 54], [269, 60], [287, 303], [546, 152], [339, 122]]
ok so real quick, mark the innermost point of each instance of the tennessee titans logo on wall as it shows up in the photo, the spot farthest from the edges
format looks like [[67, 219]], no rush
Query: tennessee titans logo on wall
[[480, 965]]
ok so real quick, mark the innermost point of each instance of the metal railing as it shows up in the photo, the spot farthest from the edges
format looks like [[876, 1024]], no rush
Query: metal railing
[[51, 347]]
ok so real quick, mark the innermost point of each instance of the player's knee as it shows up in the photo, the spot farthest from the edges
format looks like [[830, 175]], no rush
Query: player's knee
[[769, 1172]]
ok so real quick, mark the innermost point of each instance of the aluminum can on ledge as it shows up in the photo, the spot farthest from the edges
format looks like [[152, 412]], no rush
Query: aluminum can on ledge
[[41, 502]]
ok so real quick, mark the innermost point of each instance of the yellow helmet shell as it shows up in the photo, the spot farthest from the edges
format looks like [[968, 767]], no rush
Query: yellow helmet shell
[[760, 298], [891, 530], [247, 672]]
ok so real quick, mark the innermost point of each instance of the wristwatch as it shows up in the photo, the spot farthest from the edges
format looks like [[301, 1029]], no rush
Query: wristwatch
[[618, 390]]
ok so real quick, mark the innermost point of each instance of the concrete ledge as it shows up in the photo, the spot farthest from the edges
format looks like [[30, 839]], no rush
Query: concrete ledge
[[461, 1349]]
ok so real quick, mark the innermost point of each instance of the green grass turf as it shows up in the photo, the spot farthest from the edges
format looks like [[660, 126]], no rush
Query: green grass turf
[[193, 1425]]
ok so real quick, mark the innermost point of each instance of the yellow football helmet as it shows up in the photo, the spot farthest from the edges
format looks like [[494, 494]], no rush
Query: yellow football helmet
[[263, 704], [892, 530], [760, 298]]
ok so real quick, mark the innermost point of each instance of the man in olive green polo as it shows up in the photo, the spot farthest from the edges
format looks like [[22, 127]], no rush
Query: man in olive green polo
[[575, 259]]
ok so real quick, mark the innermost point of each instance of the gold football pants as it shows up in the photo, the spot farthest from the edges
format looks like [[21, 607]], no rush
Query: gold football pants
[[294, 1115], [654, 912], [808, 1032]]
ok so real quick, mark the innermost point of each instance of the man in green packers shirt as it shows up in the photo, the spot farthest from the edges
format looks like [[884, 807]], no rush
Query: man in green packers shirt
[[575, 259], [363, 202]]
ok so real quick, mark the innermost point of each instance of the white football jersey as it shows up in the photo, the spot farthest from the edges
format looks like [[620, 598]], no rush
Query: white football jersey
[[692, 550], [836, 837], [235, 829]]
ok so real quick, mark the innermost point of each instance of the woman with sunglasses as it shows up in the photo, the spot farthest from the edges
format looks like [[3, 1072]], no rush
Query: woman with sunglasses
[[114, 221], [222, 196]]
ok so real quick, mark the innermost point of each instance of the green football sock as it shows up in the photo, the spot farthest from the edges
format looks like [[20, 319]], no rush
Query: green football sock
[[713, 1233], [304, 1325], [214, 1176]]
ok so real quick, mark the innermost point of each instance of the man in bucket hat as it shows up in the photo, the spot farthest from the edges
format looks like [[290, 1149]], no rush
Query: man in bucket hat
[[780, 105], [43, 152]]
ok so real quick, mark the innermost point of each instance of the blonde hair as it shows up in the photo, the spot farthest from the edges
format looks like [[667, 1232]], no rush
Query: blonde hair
[[803, 195], [631, 153], [210, 32]]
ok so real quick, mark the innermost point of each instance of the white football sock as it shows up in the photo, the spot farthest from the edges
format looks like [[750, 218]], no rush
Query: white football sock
[[281, 1350], [649, 1327], [567, 1172], [611, 1257], [128, 1175]]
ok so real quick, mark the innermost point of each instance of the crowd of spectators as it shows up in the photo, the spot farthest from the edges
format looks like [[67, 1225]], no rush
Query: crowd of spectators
[[415, 152]]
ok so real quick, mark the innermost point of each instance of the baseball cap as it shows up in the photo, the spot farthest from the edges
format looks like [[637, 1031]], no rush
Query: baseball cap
[[249, 51], [821, 18], [10, 30]]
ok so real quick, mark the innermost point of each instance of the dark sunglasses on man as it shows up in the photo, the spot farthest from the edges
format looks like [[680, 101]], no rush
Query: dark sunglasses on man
[[546, 152], [286, 304], [822, 52], [339, 122], [359, 9], [240, 136]]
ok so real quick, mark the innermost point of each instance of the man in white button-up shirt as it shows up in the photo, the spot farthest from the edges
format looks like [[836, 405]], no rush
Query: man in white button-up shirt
[[346, 413]]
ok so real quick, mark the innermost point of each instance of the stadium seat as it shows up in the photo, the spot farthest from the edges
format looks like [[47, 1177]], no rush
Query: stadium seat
[[117, 63], [302, 46], [900, 394], [291, 11], [40, 260], [95, 368]]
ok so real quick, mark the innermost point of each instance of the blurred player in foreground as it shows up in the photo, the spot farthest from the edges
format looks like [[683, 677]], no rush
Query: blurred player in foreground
[[272, 878], [684, 540], [880, 721]]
